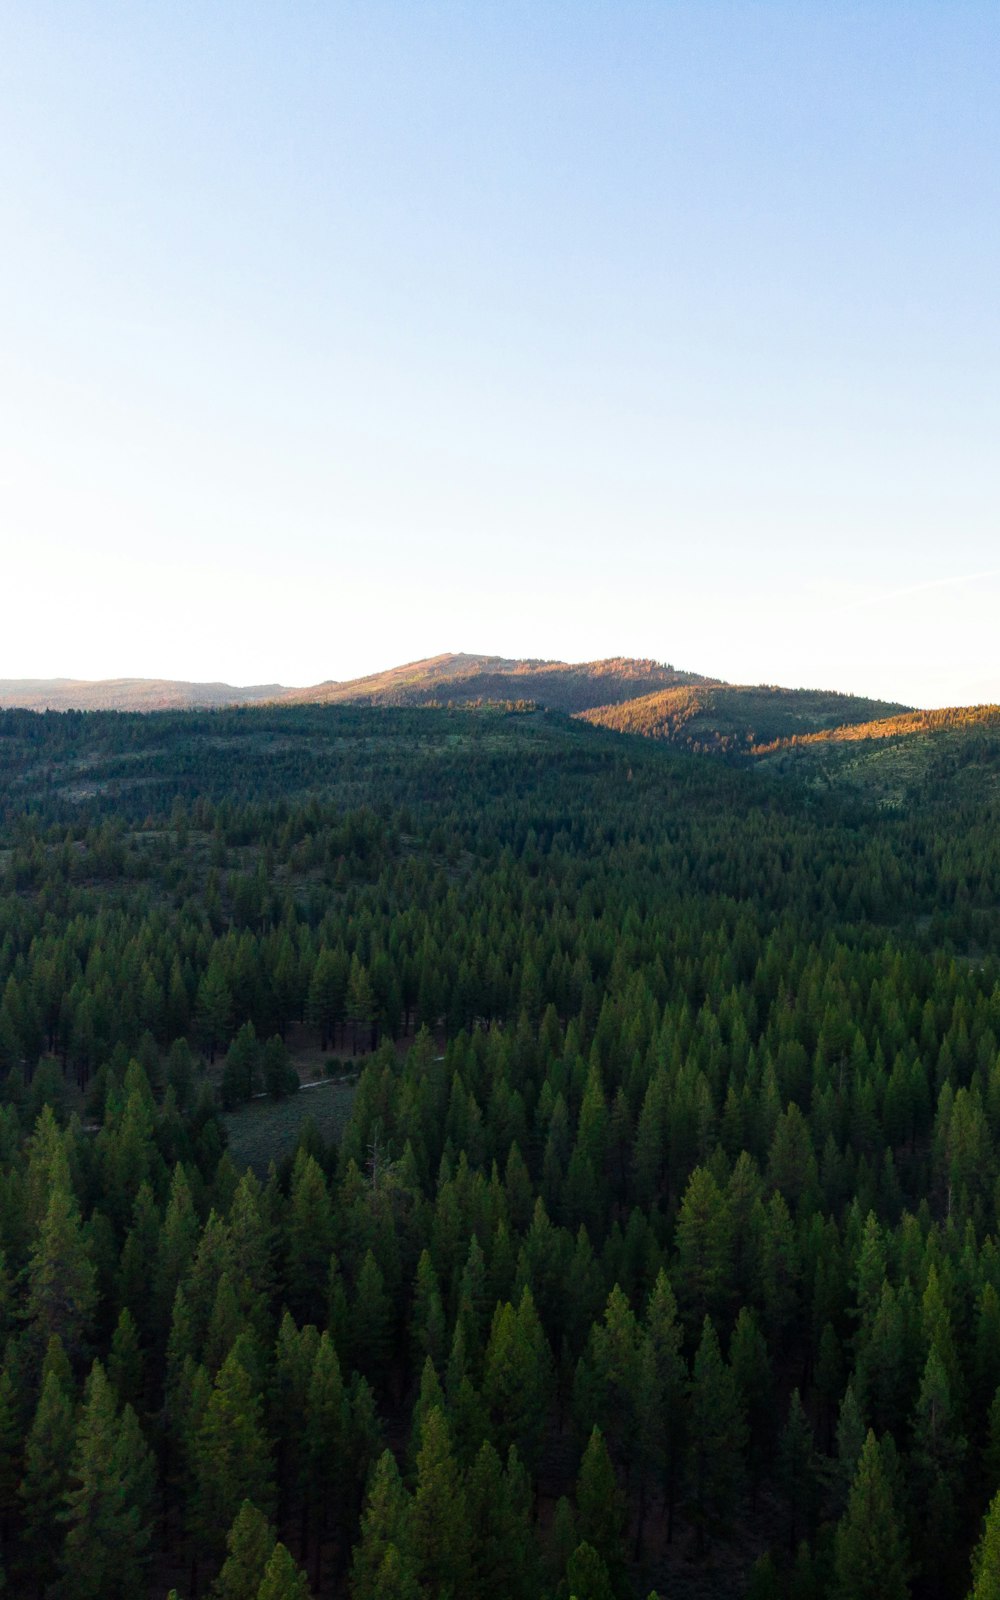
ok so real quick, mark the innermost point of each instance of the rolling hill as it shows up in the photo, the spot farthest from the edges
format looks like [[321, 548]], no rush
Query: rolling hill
[[438, 680], [737, 719], [556, 685], [689, 710], [129, 694], [952, 755]]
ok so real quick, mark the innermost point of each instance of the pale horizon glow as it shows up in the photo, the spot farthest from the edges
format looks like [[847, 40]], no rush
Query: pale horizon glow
[[334, 338]]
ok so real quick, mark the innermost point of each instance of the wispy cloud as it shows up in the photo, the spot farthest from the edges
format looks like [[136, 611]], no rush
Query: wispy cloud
[[955, 582]]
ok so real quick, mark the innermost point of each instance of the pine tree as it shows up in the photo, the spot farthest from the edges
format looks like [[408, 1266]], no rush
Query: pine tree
[[704, 1250], [62, 1290], [620, 1395], [427, 1317], [371, 1321], [310, 1240], [231, 1451], [241, 1073], [500, 1534], [986, 1557], [938, 1451], [440, 1530], [282, 1579], [718, 1434], [666, 1337], [125, 1360], [176, 1245], [517, 1378], [429, 1398], [851, 1433], [325, 1449], [600, 1506], [47, 1455], [754, 1379], [798, 1471], [278, 1075], [386, 1538], [870, 1553], [250, 1544], [109, 1505], [214, 1010], [587, 1577]]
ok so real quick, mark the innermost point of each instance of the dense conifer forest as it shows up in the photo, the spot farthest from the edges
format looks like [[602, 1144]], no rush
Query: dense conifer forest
[[659, 1252]]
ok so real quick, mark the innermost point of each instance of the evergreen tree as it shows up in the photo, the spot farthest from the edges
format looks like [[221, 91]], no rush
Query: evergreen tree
[[386, 1545], [600, 1507], [310, 1240], [752, 1374], [109, 1505], [62, 1289], [851, 1433], [938, 1450], [517, 1378], [666, 1338], [250, 1544], [440, 1525], [986, 1558], [704, 1250], [500, 1534], [47, 1455], [798, 1471], [325, 1451], [231, 1452], [870, 1560], [125, 1360], [587, 1577], [282, 1579], [371, 1321], [718, 1434], [278, 1075]]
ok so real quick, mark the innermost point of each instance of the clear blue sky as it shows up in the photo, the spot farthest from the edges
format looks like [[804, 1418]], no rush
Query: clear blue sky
[[334, 335]]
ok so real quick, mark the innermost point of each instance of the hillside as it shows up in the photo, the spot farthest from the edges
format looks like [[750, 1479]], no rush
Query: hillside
[[128, 694], [735, 719], [688, 709], [438, 680], [949, 756], [557, 685], [903, 725]]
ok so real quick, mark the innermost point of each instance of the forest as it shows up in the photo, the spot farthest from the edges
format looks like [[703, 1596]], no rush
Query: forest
[[659, 1250]]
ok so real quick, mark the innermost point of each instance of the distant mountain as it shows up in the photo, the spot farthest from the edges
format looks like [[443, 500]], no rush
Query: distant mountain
[[650, 698], [129, 694], [557, 685]]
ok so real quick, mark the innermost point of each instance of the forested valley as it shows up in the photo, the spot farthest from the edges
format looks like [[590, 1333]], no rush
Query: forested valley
[[658, 1251]]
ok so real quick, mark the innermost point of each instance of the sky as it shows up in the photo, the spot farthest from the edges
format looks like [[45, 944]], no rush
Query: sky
[[337, 335]]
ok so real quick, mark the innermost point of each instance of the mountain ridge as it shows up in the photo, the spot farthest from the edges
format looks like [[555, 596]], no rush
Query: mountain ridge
[[626, 694], [129, 694], [452, 674]]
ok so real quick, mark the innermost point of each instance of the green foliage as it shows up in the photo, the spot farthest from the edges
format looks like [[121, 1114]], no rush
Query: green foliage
[[282, 1579], [384, 1562], [871, 1558], [986, 1558], [109, 1504], [670, 1059], [249, 1543], [231, 1452]]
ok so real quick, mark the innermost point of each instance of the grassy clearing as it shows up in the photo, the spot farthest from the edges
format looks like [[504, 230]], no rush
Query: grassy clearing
[[265, 1130]]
